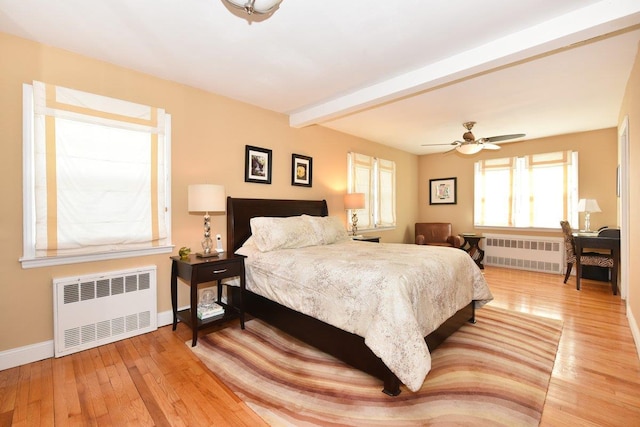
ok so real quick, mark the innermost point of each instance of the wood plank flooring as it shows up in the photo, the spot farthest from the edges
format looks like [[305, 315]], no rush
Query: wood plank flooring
[[155, 380]]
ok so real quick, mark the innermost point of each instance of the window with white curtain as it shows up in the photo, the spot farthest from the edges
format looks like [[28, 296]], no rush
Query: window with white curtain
[[376, 178], [534, 191], [96, 177]]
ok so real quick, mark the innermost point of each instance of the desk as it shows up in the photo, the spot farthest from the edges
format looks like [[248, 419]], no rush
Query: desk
[[595, 242]]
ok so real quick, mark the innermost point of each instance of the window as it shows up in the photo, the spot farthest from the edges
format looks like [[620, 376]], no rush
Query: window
[[535, 191], [96, 177], [376, 178]]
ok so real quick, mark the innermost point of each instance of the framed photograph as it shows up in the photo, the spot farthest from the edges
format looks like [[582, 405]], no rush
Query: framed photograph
[[257, 165], [442, 191], [301, 169]]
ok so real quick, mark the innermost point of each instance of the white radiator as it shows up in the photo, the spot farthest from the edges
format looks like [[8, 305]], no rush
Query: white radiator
[[545, 254], [102, 308]]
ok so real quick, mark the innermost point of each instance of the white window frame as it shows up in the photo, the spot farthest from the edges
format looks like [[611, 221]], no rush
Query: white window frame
[[519, 167], [374, 201], [29, 258]]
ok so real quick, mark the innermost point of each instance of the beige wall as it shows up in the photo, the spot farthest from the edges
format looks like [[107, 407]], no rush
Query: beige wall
[[631, 109], [209, 135], [208, 146], [597, 156]]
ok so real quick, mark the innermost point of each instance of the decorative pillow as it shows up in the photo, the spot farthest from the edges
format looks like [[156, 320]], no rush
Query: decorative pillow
[[328, 229], [271, 233]]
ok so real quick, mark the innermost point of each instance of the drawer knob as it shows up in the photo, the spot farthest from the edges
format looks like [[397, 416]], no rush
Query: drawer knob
[[219, 271]]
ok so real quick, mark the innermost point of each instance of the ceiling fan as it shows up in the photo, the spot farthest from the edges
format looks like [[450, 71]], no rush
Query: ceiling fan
[[471, 145]]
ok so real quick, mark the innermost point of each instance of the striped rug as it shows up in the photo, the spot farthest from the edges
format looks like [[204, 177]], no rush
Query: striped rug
[[495, 372]]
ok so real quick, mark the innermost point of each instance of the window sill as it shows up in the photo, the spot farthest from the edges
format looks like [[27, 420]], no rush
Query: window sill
[[75, 259], [374, 229]]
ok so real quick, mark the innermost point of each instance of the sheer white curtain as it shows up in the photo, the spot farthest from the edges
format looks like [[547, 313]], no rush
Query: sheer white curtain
[[100, 173], [376, 178], [534, 191]]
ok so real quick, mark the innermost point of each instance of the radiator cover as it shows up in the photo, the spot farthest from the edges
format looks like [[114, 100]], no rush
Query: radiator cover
[[101, 308], [535, 253]]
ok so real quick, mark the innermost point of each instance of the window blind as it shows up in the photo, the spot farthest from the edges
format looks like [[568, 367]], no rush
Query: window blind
[[100, 173]]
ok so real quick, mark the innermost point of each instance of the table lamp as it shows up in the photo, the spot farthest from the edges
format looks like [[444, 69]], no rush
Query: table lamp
[[588, 206], [353, 202], [206, 198]]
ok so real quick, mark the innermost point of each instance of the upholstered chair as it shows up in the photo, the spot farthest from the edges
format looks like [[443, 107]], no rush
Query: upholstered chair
[[437, 234], [588, 258]]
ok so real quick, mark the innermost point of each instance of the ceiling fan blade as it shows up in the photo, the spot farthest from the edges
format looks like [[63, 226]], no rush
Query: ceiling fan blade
[[503, 137], [434, 145]]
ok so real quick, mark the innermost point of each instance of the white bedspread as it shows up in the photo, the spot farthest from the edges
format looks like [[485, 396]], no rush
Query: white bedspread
[[393, 295]]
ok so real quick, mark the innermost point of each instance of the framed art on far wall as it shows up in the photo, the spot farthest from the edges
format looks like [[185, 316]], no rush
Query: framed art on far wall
[[443, 191], [257, 165], [301, 170]]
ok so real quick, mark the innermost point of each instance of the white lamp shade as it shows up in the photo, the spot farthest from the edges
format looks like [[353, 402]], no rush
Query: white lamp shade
[[588, 205], [354, 201], [206, 198], [469, 148]]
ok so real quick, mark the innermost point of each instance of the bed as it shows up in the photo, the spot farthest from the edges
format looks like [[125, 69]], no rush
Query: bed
[[349, 341]]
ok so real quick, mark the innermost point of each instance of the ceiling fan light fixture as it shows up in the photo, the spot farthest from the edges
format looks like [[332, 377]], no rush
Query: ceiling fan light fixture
[[260, 7], [490, 146], [472, 148]]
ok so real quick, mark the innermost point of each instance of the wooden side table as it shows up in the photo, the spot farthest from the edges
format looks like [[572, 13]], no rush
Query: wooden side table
[[472, 246], [195, 271], [373, 239]]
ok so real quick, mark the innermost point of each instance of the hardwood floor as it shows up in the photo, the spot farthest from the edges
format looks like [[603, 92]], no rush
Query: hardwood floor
[[154, 379]]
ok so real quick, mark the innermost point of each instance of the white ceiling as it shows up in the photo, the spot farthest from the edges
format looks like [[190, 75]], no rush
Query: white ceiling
[[402, 73]]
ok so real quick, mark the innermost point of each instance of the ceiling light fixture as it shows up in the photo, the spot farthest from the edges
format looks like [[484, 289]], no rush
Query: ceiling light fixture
[[469, 148], [260, 7]]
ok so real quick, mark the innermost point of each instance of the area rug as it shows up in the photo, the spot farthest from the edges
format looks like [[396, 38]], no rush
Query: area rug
[[495, 372]]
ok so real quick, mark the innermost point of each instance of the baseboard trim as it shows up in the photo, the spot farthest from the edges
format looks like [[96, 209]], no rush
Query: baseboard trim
[[633, 325], [44, 350]]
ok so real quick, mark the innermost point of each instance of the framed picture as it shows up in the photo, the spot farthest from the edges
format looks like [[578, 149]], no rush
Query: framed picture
[[257, 165], [442, 191], [301, 170]]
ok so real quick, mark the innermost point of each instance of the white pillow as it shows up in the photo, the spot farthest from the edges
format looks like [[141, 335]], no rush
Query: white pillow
[[272, 233], [328, 229], [248, 248]]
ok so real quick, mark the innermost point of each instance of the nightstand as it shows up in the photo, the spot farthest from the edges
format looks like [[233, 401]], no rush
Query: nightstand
[[373, 239], [195, 271]]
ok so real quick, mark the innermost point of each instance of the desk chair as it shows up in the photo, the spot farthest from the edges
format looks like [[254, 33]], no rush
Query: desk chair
[[587, 258]]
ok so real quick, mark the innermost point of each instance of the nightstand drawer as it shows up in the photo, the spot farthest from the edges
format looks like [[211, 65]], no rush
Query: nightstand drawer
[[218, 270]]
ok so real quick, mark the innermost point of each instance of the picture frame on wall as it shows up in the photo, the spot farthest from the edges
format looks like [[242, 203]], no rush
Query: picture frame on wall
[[301, 170], [257, 165], [443, 191]]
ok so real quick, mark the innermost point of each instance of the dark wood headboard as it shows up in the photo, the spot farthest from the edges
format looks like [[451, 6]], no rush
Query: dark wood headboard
[[240, 212]]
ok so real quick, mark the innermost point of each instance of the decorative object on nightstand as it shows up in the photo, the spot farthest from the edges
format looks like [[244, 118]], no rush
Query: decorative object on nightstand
[[207, 198], [195, 271], [353, 202], [207, 306], [184, 252], [588, 206]]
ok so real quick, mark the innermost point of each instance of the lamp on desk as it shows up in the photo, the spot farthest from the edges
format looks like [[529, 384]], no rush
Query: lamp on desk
[[353, 202], [588, 206], [206, 198]]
